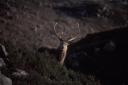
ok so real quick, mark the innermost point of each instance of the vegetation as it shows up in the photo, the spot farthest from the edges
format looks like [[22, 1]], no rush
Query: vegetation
[[44, 69]]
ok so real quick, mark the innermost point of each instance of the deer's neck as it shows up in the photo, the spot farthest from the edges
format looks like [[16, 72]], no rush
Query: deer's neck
[[64, 48], [64, 52]]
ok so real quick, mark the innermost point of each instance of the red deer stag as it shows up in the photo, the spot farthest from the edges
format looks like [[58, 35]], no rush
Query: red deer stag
[[64, 43]]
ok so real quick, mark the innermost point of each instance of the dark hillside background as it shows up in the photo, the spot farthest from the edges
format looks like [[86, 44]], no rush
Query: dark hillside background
[[26, 30], [103, 54]]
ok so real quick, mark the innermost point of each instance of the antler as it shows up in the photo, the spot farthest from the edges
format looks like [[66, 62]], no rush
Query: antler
[[59, 37], [73, 38]]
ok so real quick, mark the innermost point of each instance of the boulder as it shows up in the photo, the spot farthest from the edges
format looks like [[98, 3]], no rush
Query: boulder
[[5, 80]]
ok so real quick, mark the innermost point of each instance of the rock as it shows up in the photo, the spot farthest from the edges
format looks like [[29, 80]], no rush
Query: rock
[[3, 55], [5, 80], [20, 73], [2, 63], [110, 46], [97, 49], [3, 51]]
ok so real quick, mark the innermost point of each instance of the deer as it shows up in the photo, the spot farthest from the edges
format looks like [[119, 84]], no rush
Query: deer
[[64, 43]]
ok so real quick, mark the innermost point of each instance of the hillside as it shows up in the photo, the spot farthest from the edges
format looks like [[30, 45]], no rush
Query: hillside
[[28, 25], [20, 19]]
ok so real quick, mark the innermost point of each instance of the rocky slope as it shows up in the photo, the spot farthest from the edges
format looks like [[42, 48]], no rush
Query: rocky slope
[[30, 23], [27, 25]]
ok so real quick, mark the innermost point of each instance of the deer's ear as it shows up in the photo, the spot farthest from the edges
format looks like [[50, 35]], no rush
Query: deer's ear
[[70, 40]]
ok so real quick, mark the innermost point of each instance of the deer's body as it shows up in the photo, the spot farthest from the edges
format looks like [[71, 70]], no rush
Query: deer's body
[[63, 45]]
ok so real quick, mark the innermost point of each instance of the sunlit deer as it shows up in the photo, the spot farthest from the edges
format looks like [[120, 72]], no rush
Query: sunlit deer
[[64, 43]]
